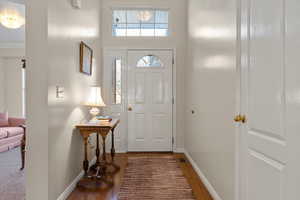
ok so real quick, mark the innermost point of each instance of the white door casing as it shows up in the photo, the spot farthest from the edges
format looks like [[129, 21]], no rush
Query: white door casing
[[264, 139], [149, 93], [113, 109]]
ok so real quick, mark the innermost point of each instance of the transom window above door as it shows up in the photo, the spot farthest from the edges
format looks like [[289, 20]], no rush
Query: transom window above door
[[140, 23]]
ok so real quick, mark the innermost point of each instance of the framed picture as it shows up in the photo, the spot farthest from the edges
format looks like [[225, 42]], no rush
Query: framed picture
[[86, 59]]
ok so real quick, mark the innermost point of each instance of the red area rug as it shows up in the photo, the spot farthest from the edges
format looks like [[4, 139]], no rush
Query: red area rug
[[155, 178]]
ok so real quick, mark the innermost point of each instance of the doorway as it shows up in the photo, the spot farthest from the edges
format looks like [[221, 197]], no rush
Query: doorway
[[149, 100], [144, 99]]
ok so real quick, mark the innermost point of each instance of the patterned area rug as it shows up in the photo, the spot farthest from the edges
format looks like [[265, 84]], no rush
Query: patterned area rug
[[12, 180], [155, 178]]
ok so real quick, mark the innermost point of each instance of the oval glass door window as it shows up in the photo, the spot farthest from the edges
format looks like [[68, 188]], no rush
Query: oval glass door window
[[149, 61]]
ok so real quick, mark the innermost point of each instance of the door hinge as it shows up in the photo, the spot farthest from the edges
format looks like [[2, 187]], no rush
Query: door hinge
[[173, 100], [172, 140], [173, 61]]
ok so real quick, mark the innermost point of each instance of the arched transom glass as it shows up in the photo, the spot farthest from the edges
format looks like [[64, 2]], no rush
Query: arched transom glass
[[149, 61]]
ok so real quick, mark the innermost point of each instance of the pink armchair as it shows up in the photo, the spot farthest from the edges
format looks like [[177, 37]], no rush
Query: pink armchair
[[16, 122], [11, 132]]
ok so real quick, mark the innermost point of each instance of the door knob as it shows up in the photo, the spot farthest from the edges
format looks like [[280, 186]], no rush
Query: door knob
[[237, 118], [129, 108], [240, 118], [243, 119]]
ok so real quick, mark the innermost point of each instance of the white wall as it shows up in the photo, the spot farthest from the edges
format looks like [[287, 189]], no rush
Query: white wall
[[12, 52], [37, 100], [13, 86], [211, 91], [177, 41], [66, 28], [2, 87], [55, 150], [292, 78]]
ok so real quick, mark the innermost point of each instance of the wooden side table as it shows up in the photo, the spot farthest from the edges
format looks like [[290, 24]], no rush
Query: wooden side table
[[101, 129]]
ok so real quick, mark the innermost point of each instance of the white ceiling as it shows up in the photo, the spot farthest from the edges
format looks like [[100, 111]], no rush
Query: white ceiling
[[12, 37]]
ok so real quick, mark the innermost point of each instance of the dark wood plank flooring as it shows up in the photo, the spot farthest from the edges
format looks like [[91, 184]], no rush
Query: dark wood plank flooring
[[199, 189]]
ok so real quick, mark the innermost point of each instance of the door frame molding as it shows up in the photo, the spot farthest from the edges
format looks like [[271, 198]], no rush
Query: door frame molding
[[238, 129], [174, 89]]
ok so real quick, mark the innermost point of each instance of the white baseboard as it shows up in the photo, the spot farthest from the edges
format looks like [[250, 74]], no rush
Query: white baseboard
[[179, 150], [205, 181], [72, 186]]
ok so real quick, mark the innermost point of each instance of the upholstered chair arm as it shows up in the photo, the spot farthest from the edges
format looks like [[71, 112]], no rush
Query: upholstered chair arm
[[15, 122]]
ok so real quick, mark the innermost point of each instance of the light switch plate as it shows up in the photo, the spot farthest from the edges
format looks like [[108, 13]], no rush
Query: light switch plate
[[60, 92]]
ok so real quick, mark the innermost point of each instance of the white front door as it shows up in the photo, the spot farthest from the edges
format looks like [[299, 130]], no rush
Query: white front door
[[150, 100], [270, 137]]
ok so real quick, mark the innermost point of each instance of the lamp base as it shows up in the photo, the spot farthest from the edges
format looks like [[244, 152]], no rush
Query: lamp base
[[94, 112]]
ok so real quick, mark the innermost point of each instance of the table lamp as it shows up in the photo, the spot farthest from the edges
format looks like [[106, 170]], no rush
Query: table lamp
[[95, 101]]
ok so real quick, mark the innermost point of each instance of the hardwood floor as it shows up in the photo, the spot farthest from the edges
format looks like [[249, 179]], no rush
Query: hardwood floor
[[199, 189]]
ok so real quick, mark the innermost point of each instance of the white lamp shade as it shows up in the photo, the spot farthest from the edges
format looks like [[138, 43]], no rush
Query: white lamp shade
[[95, 98]]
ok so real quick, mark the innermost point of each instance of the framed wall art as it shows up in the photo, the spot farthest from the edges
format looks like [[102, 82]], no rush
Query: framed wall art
[[86, 59]]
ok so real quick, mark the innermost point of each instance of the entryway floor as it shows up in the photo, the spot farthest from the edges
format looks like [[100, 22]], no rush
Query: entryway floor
[[12, 180], [199, 190]]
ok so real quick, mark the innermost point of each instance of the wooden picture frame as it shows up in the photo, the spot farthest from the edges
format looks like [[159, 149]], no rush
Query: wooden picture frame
[[86, 59]]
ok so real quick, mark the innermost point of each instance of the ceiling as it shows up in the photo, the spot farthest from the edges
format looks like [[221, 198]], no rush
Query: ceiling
[[12, 37]]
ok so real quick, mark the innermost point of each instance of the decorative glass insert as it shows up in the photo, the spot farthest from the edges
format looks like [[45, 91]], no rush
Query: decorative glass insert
[[117, 81], [149, 61], [140, 23]]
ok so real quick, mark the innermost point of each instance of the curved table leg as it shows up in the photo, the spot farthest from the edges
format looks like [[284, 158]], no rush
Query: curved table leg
[[23, 148], [86, 161], [112, 153]]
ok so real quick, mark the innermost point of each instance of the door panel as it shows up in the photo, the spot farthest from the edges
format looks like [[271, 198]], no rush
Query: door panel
[[140, 88], [264, 158], [140, 125], [265, 178], [158, 88], [150, 101], [266, 67]]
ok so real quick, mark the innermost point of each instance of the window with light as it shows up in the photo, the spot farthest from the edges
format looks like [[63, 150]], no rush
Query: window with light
[[140, 23]]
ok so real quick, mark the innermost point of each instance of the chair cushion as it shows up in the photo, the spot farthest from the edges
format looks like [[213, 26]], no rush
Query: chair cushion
[[13, 131], [3, 133], [4, 119], [10, 140]]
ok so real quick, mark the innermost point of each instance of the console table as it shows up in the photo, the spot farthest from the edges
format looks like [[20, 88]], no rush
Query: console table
[[102, 129], [23, 147]]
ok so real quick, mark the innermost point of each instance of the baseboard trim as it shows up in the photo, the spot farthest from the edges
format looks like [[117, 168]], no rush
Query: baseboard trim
[[72, 186], [179, 150], [205, 181]]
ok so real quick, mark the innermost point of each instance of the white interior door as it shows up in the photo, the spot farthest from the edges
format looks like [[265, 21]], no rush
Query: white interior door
[[149, 100], [269, 158]]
